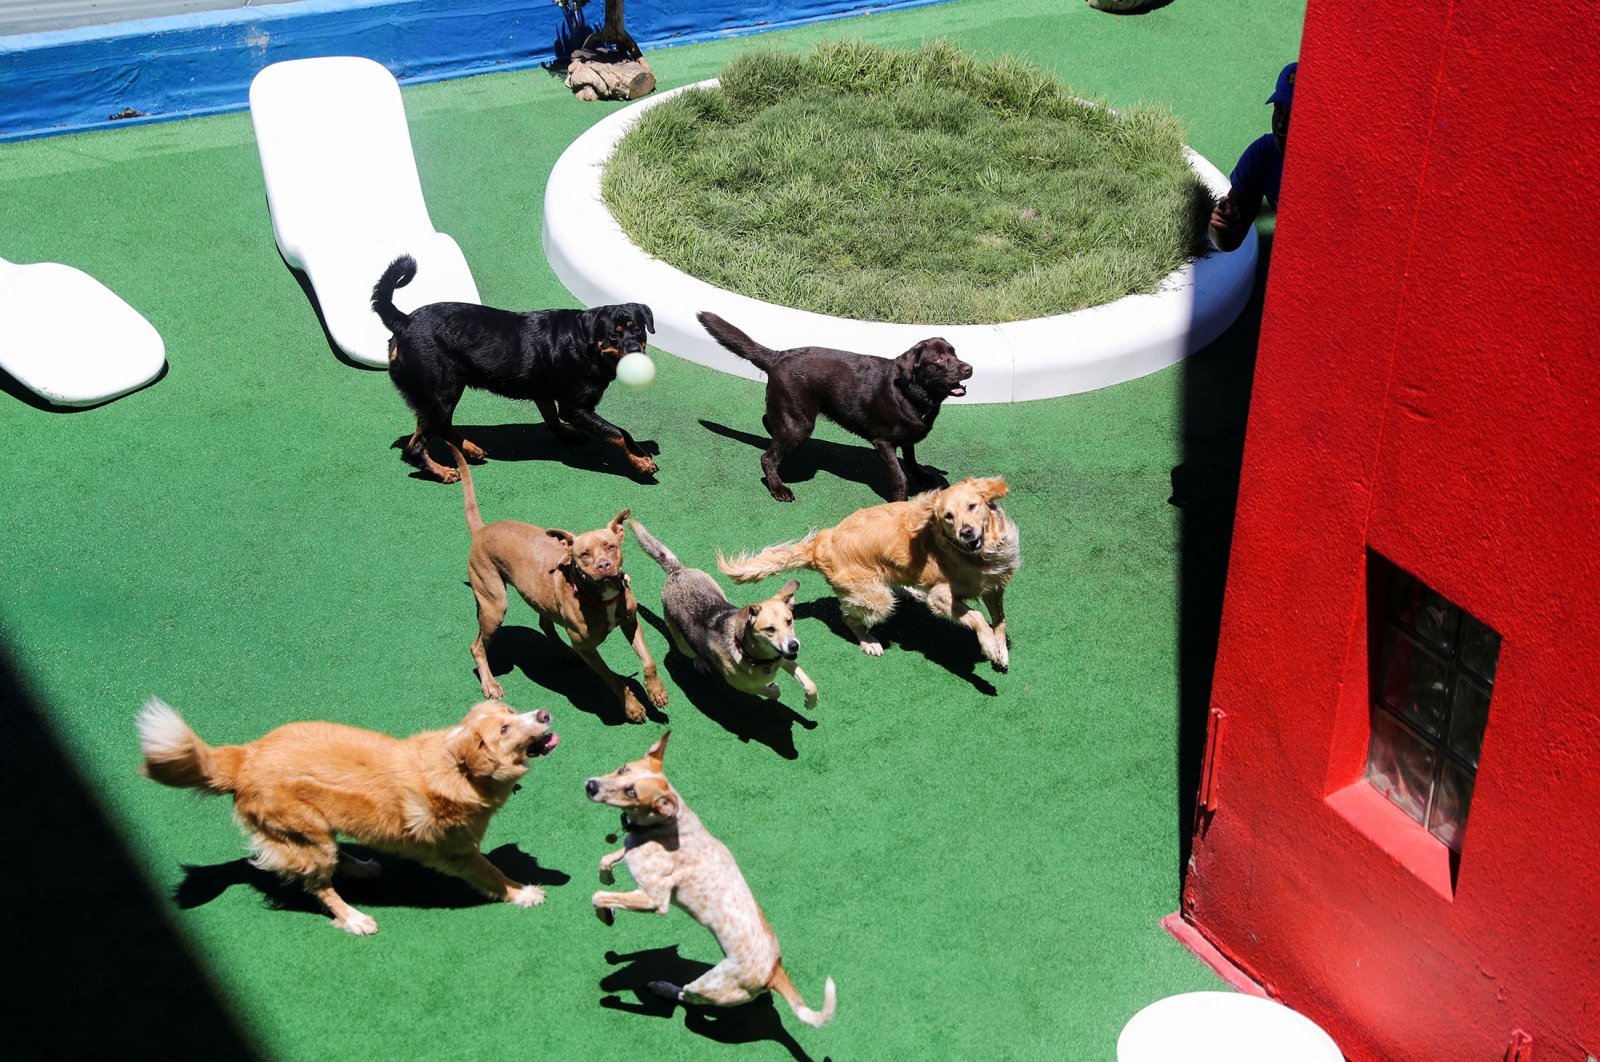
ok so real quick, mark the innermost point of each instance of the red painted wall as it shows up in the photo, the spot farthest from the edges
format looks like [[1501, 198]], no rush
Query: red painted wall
[[1428, 386]]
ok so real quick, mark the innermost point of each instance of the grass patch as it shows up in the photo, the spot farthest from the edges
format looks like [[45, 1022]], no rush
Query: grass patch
[[917, 185]]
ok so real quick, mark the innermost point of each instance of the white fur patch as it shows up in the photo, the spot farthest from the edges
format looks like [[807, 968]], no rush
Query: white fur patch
[[419, 817], [528, 896], [358, 924], [162, 731]]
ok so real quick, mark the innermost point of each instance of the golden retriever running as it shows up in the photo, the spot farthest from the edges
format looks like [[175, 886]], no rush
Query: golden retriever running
[[427, 797], [945, 547]]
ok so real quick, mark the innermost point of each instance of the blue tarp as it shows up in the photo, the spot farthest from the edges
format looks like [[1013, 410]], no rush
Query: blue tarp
[[70, 80]]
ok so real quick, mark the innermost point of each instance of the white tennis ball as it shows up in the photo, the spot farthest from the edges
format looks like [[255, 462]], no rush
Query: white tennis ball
[[636, 370]]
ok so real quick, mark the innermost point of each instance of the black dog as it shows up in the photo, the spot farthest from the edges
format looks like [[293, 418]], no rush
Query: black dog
[[560, 359], [888, 403]]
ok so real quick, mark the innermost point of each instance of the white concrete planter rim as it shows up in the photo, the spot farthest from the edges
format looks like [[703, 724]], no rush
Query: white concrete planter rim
[[1020, 360]]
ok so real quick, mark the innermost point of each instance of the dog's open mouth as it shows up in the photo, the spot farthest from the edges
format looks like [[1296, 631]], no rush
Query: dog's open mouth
[[958, 390], [542, 746]]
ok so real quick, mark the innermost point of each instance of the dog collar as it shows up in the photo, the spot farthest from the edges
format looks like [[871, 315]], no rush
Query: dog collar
[[603, 602], [637, 828], [920, 398]]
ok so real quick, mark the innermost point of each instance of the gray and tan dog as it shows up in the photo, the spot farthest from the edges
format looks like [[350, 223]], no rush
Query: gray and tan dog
[[674, 860], [572, 581], [746, 646]]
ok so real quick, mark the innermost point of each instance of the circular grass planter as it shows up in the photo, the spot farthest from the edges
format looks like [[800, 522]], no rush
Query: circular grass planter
[[1043, 357]]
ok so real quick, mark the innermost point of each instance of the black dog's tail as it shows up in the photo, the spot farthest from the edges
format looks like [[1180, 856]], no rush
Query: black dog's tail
[[401, 272], [761, 357], [659, 553]]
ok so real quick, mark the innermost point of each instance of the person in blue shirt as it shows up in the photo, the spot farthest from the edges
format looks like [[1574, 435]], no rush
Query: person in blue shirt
[[1258, 173]]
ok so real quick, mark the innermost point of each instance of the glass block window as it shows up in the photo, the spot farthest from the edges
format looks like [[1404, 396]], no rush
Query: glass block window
[[1434, 668]]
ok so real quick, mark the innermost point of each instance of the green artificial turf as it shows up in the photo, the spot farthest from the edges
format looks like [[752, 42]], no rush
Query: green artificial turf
[[908, 184], [979, 859]]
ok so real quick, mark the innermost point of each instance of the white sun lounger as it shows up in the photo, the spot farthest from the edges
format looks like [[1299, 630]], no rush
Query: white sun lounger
[[69, 339], [345, 199]]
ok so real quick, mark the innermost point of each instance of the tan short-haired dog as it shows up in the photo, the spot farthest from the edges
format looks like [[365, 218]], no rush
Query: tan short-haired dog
[[575, 581], [944, 547], [428, 797], [674, 860], [746, 646]]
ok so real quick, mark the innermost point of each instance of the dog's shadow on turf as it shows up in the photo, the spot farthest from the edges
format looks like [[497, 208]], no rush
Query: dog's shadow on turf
[[529, 651], [859, 463], [535, 442], [401, 884], [752, 1022], [744, 715], [913, 628]]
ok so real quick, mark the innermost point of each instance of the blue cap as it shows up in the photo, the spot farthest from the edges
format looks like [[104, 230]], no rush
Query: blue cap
[[1284, 93]]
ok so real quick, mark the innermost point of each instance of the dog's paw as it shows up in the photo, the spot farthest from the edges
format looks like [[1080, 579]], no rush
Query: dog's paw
[[607, 877], [357, 924], [644, 464], [811, 699], [632, 708], [526, 896], [605, 914], [781, 493], [448, 475], [995, 649], [872, 647], [494, 691], [657, 693]]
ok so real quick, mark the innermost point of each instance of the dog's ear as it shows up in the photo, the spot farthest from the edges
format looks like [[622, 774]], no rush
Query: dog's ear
[[992, 489], [466, 750], [658, 750], [567, 540], [787, 591], [642, 312], [905, 364], [600, 320], [666, 805], [617, 526]]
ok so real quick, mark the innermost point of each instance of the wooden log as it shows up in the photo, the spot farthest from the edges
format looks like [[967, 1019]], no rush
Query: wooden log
[[608, 75]]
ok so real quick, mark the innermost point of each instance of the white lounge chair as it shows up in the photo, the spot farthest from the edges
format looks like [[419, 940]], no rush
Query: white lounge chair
[[345, 199], [70, 339]]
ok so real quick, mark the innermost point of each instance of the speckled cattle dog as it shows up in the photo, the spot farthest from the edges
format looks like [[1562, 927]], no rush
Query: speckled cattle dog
[[674, 860]]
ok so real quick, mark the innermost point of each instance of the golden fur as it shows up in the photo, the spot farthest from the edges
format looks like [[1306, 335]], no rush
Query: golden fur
[[428, 797], [945, 546]]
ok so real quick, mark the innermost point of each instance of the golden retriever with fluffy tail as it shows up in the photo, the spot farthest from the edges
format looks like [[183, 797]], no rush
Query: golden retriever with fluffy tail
[[427, 797], [945, 547]]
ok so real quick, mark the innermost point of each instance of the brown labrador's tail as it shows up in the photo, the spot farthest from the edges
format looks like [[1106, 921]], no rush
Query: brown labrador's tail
[[781, 984], [784, 557], [761, 357], [474, 517], [659, 553], [174, 755], [401, 272]]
